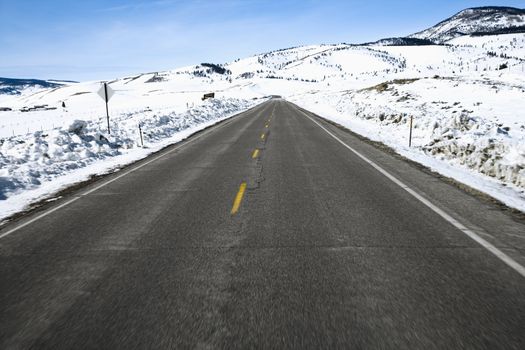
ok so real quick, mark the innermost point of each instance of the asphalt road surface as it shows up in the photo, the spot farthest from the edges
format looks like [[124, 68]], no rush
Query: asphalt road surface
[[265, 231]]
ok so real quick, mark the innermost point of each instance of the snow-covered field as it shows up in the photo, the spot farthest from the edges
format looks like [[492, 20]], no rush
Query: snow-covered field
[[467, 100]]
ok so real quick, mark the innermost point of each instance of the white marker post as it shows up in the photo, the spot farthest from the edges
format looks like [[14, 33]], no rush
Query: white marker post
[[106, 92]]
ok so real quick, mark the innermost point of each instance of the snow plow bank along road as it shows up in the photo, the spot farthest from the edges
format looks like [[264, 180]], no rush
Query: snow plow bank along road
[[273, 227]]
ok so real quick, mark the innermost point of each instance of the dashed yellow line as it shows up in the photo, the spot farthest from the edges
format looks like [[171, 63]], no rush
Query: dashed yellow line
[[238, 198], [266, 126], [263, 136], [255, 154]]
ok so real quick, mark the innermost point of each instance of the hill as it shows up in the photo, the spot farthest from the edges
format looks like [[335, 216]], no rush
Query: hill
[[485, 20], [12, 86]]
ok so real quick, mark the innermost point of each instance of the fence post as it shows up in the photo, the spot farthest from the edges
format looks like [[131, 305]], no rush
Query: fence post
[[410, 136], [141, 138]]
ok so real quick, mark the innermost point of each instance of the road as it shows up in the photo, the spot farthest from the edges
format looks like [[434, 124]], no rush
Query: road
[[265, 231]]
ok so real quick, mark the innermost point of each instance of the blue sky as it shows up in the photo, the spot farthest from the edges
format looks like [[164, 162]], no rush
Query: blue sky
[[103, 39]]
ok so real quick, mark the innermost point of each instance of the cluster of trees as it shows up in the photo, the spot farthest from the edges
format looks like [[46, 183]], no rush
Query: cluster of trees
[[210, 68], [216, 68]]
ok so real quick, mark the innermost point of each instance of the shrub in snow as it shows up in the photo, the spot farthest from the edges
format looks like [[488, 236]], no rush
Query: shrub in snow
[[78, 127]]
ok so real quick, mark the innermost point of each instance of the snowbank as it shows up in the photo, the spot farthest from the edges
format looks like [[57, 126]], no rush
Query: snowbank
[[36, 165], [470, 130]]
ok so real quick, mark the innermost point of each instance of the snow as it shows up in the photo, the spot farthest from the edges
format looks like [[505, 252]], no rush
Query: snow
[[510, 44], [469, 119]]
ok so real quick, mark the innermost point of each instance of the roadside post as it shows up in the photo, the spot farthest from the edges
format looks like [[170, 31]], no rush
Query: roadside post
[[410, 136], [140, 132], [106, 92]]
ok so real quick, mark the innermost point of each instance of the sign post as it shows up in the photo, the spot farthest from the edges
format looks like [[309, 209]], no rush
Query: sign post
[[106, 92]]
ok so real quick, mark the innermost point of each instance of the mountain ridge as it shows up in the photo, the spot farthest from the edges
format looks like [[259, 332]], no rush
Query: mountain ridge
[[475, 21], [486, 19], [14, 86]]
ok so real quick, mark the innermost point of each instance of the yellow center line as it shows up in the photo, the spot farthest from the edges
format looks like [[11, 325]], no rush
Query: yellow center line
[[255, 154], [238, 198], [262, 136], [266, 126]]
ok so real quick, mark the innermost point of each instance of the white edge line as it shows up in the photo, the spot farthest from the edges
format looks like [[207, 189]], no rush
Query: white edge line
[[39, 217], [185, 142], [485, 244]]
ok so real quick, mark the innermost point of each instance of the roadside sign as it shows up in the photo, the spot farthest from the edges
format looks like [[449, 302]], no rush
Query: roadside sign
[[106, 92]]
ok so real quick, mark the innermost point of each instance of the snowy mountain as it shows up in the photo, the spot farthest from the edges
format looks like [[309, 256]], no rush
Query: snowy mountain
[[478, 20]]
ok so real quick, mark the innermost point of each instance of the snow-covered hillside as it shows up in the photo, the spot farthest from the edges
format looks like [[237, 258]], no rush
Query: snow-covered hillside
[[479, 20], [467, 99], [16, 86]]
